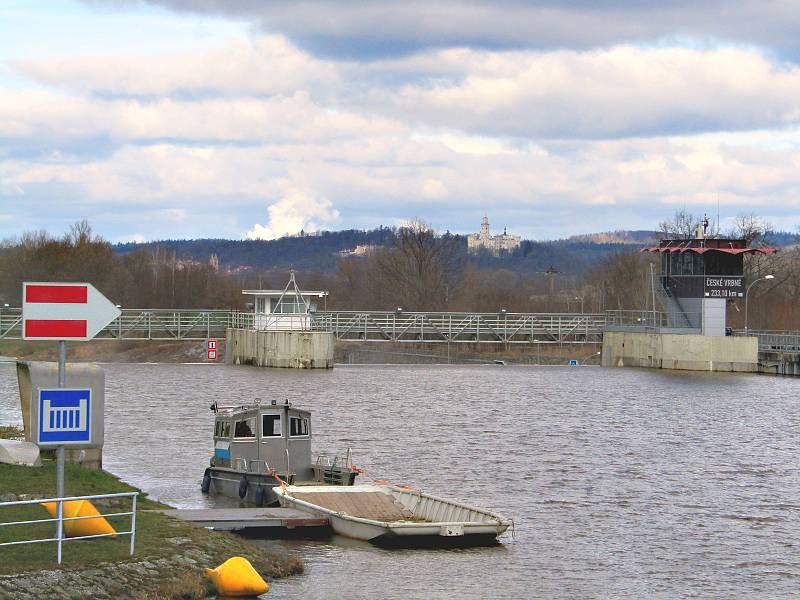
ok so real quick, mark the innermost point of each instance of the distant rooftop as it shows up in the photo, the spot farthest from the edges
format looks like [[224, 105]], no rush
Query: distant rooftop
[[702, 245], [309, 293]]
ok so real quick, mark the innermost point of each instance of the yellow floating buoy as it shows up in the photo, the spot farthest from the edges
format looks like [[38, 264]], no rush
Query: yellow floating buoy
[[237, 577], [81, 508]]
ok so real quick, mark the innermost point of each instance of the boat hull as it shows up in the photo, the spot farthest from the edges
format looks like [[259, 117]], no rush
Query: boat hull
[[476, 527], [259, 490]]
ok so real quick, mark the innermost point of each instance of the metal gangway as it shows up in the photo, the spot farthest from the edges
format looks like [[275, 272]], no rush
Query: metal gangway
[[373, 326], [456, 327]]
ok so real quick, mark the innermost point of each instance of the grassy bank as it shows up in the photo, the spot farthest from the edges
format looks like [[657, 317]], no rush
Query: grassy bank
[[157, 536]]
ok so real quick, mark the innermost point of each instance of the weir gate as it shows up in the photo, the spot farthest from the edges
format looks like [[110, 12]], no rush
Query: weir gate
[[372, 326]]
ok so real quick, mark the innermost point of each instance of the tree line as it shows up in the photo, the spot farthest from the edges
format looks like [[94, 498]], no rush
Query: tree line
[[417, 269]]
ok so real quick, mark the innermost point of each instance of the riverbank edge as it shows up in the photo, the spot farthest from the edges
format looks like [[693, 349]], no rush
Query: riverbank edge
[[174, 571], [345, 352]]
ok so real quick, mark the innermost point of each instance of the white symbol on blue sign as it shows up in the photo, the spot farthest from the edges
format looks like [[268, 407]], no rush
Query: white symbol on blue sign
[[64, 416], [573, 362]]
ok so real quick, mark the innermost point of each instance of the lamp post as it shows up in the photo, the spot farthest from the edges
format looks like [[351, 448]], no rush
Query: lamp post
[[747, 291], [581, 300]]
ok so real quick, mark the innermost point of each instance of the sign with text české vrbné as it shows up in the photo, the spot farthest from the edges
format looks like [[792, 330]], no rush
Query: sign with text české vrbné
[[723, 286]]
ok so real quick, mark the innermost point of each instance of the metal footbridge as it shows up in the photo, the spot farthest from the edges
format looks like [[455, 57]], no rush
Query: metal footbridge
[[407, 327], [372, 326]]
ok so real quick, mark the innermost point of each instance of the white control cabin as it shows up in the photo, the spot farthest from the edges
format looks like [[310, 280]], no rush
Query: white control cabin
[[284, 310]]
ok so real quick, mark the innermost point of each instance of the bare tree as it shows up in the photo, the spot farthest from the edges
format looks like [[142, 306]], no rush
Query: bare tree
[[682, 225], [752, 228], [419, 271]]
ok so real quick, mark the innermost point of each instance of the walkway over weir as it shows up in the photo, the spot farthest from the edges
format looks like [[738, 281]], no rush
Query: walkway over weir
[[409, 327]]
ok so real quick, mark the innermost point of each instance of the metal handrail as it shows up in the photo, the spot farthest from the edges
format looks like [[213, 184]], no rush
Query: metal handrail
[[60, 518]]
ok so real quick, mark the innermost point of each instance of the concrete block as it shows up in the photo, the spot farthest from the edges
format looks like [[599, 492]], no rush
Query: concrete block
[[17, 452], [282, 349], [689, 352]]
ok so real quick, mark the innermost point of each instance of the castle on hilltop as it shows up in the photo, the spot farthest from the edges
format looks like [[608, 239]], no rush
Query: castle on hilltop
[[492, 243]]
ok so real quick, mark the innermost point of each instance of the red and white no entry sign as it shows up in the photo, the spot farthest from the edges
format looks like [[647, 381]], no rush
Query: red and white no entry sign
[[64, 311]]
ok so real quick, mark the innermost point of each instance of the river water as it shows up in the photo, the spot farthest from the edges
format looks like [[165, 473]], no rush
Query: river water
[[622, 482]]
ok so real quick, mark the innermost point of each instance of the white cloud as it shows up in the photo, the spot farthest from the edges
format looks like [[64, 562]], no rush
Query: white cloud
[[475, 97], [369, 29], [617, 92], [444, 135], [296, 211], [267, 65], [136, 238]]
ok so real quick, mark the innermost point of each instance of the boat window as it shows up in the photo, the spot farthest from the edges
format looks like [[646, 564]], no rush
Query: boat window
[[298, 426], [222, 429], [245, 428], [271, 426]]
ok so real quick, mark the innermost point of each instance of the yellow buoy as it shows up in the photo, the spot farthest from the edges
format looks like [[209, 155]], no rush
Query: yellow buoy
[[81, 508], [237, 577]]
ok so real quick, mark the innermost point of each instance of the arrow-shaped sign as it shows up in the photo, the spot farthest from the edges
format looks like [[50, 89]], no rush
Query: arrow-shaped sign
[[64, 311]]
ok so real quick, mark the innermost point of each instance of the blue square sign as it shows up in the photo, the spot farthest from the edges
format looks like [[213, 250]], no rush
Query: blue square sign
[[65, 416]]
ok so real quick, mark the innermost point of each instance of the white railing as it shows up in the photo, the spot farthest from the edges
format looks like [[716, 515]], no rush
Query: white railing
[[406, 326], [649, 319], [60, 519], [453, 327]]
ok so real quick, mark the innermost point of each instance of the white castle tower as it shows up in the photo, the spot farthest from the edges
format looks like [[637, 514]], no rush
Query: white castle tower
[[494, 244]]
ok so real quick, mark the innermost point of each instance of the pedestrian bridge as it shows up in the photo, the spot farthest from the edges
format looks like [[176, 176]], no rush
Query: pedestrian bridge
[[407, 327], [372, 326]]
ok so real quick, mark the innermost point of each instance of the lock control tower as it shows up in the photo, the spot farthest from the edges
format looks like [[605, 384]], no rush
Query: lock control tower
[[699, 276]]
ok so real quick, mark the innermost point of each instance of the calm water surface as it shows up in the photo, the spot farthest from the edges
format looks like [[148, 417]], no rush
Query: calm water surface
[[622, 483]]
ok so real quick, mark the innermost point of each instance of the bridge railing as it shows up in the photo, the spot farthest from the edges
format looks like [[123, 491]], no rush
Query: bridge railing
[[152, 324], [776, 341], [166, 324], [423, 327], [649, 320], [10, 323], [435, 327]]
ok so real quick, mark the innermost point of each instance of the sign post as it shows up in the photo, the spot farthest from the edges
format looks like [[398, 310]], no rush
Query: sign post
[[65, 417]]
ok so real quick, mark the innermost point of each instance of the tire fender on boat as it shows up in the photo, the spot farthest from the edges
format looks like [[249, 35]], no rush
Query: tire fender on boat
[[206, 485], [261, 496], [243, 486]]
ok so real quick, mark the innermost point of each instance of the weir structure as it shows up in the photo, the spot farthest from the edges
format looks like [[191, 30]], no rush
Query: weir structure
[[374, 326], [280, 332], [699, 278]]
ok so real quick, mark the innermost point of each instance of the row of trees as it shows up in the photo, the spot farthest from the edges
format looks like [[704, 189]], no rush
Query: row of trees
[[139, 279], [419, 270]]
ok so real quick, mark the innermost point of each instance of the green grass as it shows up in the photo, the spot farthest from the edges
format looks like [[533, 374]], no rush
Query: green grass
[[155, 533]]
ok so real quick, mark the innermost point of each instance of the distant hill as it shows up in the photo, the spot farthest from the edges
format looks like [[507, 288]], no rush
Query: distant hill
[[320, 251], [313, 252], [640, 237]]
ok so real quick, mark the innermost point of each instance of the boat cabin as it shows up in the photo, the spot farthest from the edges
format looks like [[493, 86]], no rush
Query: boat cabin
[[261, 438]]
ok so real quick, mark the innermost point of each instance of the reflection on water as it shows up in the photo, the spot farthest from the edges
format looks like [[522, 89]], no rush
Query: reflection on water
[[621, 482]]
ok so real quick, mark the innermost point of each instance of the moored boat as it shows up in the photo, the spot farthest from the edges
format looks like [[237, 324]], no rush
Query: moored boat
[[393, 515], [259, 446]]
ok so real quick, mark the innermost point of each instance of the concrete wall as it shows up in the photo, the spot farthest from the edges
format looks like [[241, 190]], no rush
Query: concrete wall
[[680, 351], [286, 349], [34, 375], [779, 363]]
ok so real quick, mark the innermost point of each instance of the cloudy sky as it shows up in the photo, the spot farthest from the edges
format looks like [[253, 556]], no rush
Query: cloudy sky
[[256, 118]]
